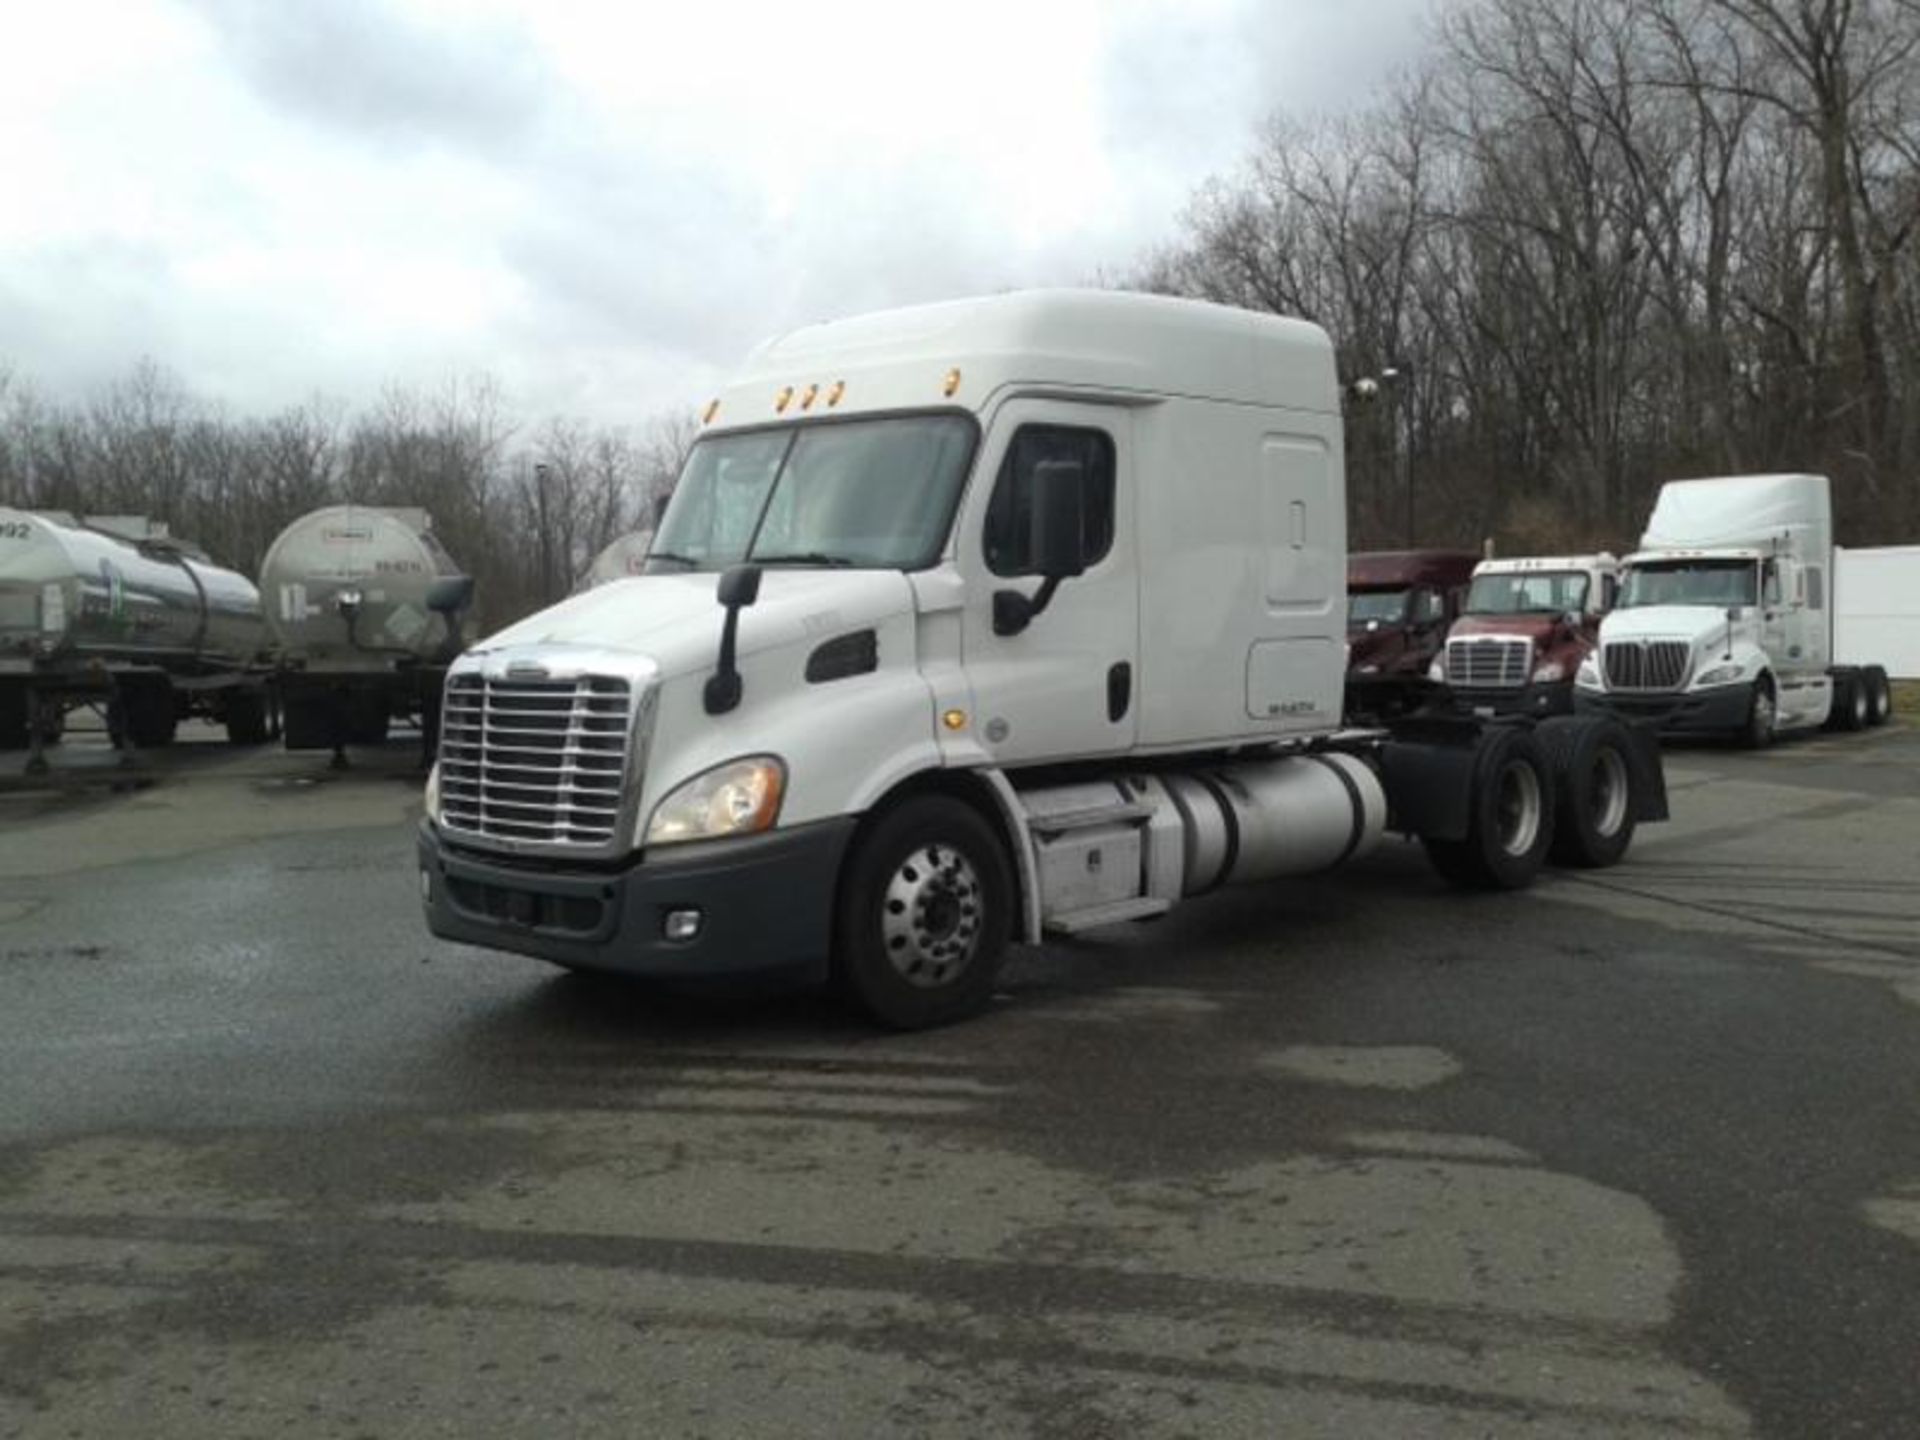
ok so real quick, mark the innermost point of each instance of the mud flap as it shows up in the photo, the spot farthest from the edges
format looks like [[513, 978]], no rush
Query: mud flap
[[1649, 772], [1428, 771]]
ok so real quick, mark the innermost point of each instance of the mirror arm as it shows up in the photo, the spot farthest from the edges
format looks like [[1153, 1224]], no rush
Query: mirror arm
[[1014, 611]]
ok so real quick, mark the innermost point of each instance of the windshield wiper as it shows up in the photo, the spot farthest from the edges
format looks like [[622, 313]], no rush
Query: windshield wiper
[[808, 557], [674, 558]]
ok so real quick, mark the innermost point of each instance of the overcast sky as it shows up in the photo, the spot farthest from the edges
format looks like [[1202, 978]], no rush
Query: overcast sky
[[601, 205]]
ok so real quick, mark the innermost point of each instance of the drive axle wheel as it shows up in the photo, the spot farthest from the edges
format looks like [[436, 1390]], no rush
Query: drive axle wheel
[[1880, 693], [1511, 818], [925, 915], [1593, 769]]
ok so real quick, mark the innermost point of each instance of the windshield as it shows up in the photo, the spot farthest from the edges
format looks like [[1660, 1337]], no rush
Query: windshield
[[1389, 607], [1720, 583], [877, 494], [1537, 592]]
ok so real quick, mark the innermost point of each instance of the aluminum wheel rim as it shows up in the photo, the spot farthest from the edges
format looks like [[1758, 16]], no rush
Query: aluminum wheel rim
[[1862, 706], [1610, 791], [1517, 808], [930, 915]]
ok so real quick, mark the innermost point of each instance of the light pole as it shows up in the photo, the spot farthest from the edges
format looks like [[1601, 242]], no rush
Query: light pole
[[1400, 377]]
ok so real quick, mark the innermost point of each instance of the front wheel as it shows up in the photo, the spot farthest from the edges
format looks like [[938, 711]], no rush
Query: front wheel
[[1511, 820], [1762, 716], [925, 915]]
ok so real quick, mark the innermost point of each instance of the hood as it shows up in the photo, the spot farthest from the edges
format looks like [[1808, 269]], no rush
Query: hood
[[675, 620], [1381, 647], [1669, 622], [1540, 629]]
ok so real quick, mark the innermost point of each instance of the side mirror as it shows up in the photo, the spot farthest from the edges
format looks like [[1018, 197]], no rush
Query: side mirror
[[450, 594], [738, 588], [1059, 519]]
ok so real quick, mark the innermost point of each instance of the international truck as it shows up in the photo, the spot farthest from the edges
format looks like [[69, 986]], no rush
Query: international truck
[[1399, 605], [1725, 623], [967, 625], [1527, 625]]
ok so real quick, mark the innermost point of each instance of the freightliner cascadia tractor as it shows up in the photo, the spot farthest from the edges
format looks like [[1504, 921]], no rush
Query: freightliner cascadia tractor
[[967, 625], [1527, 625]]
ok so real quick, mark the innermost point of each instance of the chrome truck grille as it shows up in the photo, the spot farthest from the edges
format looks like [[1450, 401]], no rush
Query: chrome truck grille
[[1647, 664], [1489, 662], [536, 764]]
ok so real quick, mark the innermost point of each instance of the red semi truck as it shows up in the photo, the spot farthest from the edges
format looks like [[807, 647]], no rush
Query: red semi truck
[[1400, 604], [1526, 626]]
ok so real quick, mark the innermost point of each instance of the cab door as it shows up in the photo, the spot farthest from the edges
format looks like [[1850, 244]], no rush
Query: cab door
[[1065, 685]]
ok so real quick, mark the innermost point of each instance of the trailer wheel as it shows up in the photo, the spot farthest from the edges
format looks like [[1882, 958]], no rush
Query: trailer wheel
[[1880, 709], [149, 713], [1594, 810], [246, 717], [1763, 715], [1511, 824], [925, 915]]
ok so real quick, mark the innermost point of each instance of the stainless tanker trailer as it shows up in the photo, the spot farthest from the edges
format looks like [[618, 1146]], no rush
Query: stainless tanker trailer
[[114, 609], [366, 606]]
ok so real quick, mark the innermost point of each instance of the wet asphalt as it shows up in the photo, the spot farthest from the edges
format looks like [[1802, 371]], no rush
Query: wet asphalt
[[1632, 1154]]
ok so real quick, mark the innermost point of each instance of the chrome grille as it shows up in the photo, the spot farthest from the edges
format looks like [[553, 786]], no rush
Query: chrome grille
[[535, 761], [1647, 664], [1489, 662]]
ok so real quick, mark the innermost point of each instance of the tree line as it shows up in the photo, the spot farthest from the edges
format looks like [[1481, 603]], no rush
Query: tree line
[[1595, 244], [524, 509]]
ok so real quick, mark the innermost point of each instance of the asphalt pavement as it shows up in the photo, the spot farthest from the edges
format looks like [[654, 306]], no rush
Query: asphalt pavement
[[1634, 1154]]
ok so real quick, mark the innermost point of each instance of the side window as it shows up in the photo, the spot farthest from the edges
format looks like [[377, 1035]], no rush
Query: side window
[[1816, 588], [1770, 583], [1430, 606], [1009, 527], [1609, 592]]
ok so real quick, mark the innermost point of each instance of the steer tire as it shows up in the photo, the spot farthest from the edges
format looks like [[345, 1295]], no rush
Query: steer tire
[[1594, 801], [1510, 823], [925, 915], [1763, 715]]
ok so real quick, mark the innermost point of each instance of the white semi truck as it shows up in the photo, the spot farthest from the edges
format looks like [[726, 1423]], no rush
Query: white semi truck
[[1724, 623], [969, 624]]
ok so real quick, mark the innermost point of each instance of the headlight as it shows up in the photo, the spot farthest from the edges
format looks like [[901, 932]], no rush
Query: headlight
[[1549, 671], [1587, 677], [738, 798], [432, 796], [1437, 671], [1720, 675]]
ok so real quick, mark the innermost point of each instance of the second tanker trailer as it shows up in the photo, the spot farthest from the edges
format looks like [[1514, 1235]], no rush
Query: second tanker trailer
[[366, 605]]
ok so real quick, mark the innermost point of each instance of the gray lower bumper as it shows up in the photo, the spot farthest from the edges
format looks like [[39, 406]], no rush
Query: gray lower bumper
[[765, 904], [1701, 712], [1536, 699]]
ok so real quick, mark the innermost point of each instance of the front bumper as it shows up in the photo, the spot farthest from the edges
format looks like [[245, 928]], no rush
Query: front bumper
[[1692, 712], [765, 902], [1540, 699]]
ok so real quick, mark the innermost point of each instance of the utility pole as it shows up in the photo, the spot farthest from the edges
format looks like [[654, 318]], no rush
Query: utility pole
[[1400, 378]]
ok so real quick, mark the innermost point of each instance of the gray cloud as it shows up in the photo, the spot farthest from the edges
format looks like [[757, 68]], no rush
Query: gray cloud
[[367, 65]]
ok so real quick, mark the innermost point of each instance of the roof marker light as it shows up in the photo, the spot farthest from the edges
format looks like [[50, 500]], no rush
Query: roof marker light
[[806, 400], [782, 400], [713, 409], [952, 383], [833, 395]]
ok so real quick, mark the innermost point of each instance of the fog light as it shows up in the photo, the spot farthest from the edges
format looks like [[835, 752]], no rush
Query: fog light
[[682, 925]]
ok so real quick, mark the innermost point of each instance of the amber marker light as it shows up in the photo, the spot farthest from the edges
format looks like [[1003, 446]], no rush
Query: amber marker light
[[782, 400], [954, 719], [833, 395], [952, 383], [806, 400], [713, 409]]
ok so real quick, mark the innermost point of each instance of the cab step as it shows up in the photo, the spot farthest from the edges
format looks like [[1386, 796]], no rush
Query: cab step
[[1117, 913]]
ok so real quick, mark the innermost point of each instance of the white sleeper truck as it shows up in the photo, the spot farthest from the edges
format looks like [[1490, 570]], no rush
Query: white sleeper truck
[[1725, 619], [969, 624]]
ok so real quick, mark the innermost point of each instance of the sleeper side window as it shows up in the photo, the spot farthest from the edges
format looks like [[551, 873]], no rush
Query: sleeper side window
[[1009, 524]]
